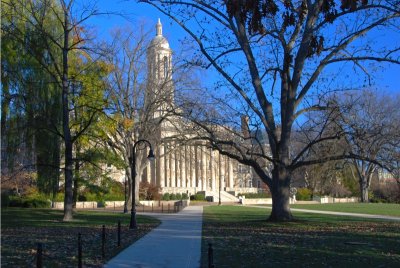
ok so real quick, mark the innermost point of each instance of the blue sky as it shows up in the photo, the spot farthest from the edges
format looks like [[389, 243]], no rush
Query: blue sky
[[387, 80], [134, 13]]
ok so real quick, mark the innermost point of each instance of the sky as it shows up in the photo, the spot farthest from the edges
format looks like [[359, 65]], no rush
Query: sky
[[387, 80], [134, 13]]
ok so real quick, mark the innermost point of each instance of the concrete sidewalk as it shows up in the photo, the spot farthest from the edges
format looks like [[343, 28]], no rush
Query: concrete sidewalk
[[175, 243]]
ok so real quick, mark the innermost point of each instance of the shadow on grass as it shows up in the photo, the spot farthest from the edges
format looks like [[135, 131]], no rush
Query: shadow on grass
[[22, 229], [14, 217], [242, 237]]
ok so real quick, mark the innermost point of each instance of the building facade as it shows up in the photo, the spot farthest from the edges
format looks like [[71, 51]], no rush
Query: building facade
[[184, 167]]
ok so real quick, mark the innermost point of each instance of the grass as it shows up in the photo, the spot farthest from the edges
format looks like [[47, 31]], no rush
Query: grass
[[242, 237], [22, 229], [364, 208]]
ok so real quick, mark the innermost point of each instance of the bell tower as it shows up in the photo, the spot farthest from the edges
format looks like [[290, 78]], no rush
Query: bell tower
[[159, 95]]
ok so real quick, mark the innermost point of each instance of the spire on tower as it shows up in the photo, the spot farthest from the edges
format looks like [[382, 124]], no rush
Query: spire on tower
[[159, 28]]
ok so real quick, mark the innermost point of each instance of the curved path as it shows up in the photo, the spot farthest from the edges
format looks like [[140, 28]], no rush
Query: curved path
[[176, 243]]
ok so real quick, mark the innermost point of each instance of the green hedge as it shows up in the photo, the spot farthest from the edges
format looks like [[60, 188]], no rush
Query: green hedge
[[29, 202], [178, 196], [5, 200], [255, 195], [59, 197], [198, 197], [304, 194]]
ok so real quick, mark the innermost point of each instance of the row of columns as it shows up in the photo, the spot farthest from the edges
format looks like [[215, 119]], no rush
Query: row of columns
[[190, 166]]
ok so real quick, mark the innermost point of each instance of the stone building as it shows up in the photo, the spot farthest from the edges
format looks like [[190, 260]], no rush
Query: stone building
[[184, 167]]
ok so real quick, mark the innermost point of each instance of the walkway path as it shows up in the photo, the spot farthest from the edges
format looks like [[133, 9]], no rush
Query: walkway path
[[360, 215], [175, 243]]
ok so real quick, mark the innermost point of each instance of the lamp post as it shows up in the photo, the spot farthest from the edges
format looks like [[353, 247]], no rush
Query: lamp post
[[133, 224]]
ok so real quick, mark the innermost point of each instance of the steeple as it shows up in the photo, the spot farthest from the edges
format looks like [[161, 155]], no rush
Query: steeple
[[160, 85], [159, 28]]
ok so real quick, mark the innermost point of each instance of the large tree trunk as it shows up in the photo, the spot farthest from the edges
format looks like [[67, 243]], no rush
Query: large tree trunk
[[280, 191], [129, 187], [68, 198], [364, 190], [76, 182]]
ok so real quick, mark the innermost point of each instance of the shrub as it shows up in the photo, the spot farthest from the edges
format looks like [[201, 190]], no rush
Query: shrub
[[114, 197], [90, 196], [153, 192], [29, 202], [36, 203], [185, 196], [15, 201], [5, 200], [385, 193], [149, 191], [304, 194], [178, 196], [256, 195], [166, 197], [60, 197], [32, 199], [198, 197], [172, 197], [101, 204]]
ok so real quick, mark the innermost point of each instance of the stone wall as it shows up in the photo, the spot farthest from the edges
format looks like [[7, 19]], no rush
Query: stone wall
[[88, 204], [329, 199]]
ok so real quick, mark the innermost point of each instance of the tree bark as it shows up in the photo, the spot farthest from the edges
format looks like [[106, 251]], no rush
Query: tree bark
[[68, 198], [129, 187], [76, 182], [280, 191], [364, 190]]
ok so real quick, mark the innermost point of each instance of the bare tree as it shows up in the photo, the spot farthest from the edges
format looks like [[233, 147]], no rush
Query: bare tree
[[370, 124], [132, 113], [273, 57]]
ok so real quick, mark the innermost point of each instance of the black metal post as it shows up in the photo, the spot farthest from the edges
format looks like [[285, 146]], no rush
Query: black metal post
[[103, 242], [119, 233], [210, 256], [79, 251], [39, 255]]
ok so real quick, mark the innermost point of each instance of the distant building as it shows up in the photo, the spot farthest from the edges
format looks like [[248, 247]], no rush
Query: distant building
[[385, 177], [185, 167]]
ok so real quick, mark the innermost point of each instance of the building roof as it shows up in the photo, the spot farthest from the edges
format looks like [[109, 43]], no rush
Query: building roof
[[159, 41]]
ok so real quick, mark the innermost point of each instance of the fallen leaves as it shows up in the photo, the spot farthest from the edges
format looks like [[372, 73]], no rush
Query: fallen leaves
[[303, 243], [19, 244]]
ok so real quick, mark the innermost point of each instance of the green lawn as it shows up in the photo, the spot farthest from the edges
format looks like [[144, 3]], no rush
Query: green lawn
[[242, 237], [22, 229], [365, 208]]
